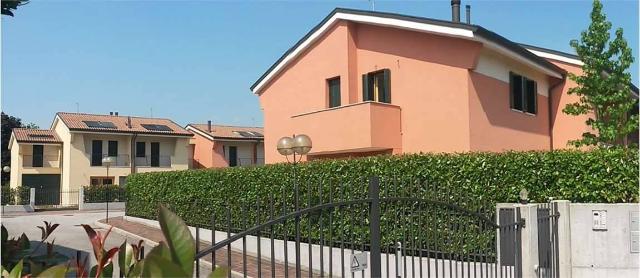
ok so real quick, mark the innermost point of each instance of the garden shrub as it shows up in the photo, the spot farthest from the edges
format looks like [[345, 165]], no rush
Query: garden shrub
[[15, 196], [475, 181], [102, 193]]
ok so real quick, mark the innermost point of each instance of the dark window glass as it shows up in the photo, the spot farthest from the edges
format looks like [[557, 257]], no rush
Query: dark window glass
[[155, 154], [531, 93], [334, 92], [113, 148], [233, 156], [140, 149], [38, 152], [516, 92], [96, 153], [122, 180], [107, 180], [95, 181], [377, 86]]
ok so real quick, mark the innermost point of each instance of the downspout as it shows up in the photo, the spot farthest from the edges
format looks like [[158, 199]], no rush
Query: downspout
[[132, 157], [550, 104]]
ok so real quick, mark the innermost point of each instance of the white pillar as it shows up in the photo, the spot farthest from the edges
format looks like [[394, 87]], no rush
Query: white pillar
[[564, 237], [81, 198], [529, 241], [32, 196]]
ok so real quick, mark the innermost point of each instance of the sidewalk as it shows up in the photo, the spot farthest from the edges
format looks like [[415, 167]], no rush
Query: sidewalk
[[155, 235]]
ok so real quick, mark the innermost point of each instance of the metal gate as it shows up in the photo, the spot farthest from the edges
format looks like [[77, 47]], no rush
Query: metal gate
[[548, 256], [56, 199], [408, 230]]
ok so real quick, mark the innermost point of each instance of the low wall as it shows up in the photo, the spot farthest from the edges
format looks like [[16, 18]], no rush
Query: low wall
[[96, 206], [17, 208], [605, 251]]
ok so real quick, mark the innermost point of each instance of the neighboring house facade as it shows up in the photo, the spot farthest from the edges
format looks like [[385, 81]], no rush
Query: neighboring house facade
[[367, 83], [216, 146], [69, 154]]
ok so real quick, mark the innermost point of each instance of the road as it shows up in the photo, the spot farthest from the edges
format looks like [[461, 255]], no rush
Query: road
[[69, 236]]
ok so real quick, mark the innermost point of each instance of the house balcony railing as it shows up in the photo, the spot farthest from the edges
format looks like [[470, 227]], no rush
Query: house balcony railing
[[153, 161], [41, 161], [249, 161], [121, 160]]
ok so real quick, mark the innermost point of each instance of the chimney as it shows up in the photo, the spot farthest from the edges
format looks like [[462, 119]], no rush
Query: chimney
[[115, 113], [455, 10], [468, 7], [110, 113], [209, 126], [129, 121]]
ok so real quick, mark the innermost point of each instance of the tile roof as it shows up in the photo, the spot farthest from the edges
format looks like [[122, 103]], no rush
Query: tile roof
[[29, 135], [78, 122], [232, 132]]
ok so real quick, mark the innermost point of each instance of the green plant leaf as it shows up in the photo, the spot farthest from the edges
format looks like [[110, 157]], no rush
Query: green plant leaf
[[125, 257], [16, 272], [220, 272], [179, 239], [156, 265], [58, 271]]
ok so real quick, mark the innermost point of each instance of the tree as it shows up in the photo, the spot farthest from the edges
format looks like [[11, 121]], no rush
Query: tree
[[8, 124], [603, 88], [8, 6]]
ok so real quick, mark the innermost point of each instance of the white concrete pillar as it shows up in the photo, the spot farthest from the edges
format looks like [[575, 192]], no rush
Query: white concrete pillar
[[32, 196], [564, 237], [80, 197], [529, 234]]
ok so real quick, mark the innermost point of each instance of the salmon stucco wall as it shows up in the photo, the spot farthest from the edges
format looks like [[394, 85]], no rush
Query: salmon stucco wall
[[202, 151]]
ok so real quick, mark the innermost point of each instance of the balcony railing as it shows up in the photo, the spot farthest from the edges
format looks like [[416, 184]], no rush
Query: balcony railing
[[122, 160], [248, 161], [51, 161], [153, 161]]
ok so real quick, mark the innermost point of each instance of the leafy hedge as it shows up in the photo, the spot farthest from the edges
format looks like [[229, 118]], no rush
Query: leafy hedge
[[476, 181], [15, 196], [102, 193]]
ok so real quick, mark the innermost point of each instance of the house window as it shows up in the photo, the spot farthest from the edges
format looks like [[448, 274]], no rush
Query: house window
[[155, 154], [523, 94], [376, 86], [101, 180], [233, 156], [38, 156], [140, 149], [113, 148], [96, 153], [334, 92]]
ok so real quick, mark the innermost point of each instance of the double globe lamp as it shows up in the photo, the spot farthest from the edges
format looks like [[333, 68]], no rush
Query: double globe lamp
[[299, 144]]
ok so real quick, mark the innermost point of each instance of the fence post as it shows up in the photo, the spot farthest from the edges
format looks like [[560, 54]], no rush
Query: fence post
[[32, 196], [529, 241], [564, 237], [81, 198], [374, 226]]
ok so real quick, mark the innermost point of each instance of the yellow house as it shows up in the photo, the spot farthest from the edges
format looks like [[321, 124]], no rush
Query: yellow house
[[70, 154]]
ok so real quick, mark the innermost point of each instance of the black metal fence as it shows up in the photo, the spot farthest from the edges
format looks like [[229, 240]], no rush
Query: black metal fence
[[548, 255], [15, 196], [55, 198], [104, 193], [408, 235]]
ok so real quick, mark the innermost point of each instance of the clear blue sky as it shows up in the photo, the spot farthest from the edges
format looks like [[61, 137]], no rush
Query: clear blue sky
[[192, 61]]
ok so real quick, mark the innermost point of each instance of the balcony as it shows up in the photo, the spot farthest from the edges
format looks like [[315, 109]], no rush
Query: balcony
[[122, 160], [248, 161], [360, 127], [41, 161], [153, 161]]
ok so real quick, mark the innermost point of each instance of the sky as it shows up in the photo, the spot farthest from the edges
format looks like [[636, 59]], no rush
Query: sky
[[193, 61]]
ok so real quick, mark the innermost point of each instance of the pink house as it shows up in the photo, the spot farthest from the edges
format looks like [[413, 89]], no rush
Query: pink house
[[364, 83], [216, 146]]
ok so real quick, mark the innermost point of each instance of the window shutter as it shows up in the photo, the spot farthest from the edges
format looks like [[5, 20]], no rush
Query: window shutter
[[511, 90], [386, 95], [531, 95], [365, 87]]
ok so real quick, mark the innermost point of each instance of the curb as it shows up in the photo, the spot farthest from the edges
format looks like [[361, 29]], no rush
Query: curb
[[153, 243]]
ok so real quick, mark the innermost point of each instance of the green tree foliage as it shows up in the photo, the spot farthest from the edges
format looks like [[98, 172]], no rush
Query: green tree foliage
[[8, 124], [603, 88], [9, 6]]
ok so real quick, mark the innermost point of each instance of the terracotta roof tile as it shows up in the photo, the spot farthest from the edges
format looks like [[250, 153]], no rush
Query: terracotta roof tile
[[235, 132], [29, 135], [81, 121]]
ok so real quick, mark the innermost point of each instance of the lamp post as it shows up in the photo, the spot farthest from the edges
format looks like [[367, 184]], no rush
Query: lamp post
[[300, 145], [6, 169], [524, 196], [107, 161]]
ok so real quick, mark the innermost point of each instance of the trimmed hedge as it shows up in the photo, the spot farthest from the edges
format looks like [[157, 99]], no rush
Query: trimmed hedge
[[15, 196], [100, 193], [476, 181]]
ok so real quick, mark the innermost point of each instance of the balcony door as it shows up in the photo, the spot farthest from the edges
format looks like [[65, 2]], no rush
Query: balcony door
[[233, 156], [155, 154], [96, 153], [37, 158]]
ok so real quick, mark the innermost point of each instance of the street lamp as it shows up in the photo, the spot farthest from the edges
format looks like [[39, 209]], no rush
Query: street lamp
[[524, 196], [301, 145], [6, 169], [107, 161]]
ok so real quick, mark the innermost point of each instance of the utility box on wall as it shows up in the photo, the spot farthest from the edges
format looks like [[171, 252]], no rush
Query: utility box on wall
[[599, 220], [634, 228]]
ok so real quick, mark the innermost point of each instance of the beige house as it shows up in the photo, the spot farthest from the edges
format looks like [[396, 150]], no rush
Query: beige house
[[70, 154]]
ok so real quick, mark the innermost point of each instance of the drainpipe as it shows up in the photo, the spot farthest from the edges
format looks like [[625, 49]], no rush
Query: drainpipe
[[550, 104], [132, 156]]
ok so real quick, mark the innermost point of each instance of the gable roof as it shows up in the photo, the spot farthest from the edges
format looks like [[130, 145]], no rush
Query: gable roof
[[119, 124], [29, 135], [421, 24], [228, 132]]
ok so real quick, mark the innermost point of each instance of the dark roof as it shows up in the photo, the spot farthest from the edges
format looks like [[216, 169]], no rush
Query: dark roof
[[476, 29], [119, 124]]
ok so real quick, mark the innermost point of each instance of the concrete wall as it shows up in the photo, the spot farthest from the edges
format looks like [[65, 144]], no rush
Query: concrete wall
[[603, 253]]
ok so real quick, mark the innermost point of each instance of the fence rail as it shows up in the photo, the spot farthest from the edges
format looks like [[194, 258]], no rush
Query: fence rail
[[51, 161]]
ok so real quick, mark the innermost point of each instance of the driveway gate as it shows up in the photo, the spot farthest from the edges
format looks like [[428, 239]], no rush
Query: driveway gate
[[548, 256], [54, 198], [408, 230]]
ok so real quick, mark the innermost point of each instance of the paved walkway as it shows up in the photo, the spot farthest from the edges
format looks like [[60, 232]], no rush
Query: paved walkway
[[237, 262]]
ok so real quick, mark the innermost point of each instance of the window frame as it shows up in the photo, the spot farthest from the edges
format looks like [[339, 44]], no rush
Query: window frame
[[524, 94], [101, 180], [37, 159], [96, 158], [112, 148], [369, 83], [144, 149], [338, 103]]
